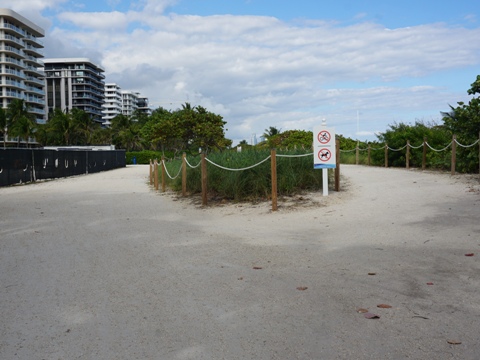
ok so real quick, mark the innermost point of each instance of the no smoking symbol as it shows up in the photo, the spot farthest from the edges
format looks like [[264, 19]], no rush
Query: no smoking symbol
[[324, 137], [324, 154]]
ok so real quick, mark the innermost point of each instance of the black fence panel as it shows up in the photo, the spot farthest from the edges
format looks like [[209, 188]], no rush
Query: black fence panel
[[15, 166], [26, 165]]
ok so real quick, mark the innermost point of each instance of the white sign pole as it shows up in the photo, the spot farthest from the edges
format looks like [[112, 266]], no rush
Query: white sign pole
[[325, 181]]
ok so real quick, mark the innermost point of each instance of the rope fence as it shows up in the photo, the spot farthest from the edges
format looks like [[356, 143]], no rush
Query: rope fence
[[154, 173], [453, 144]]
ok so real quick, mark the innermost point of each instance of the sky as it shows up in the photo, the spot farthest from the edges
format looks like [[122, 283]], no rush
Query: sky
[[360, 65]]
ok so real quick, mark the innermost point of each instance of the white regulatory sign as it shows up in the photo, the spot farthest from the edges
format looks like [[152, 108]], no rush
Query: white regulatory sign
[[324, 148]]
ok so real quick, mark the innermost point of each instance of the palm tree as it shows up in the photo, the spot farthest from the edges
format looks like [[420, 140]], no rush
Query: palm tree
[[19, 120], [271, 131], [84, 125], [126, 133], [24, 127], [62, 127]]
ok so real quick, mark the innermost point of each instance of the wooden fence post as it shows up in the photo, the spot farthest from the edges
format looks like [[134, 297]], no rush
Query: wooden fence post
[[184, 174], [479, 155], [150, 174], [407, 157], [273, 159], [164, 178], [204, 180], [337, 166], [155, 174], [424, 157], [369, 156], [386, 155], [357, 154], [454, 154]]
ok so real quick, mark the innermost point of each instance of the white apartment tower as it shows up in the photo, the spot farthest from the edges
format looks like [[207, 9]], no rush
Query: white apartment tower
[[122, 102], [112, 105], [75, 83], [132, 101], [129, 102], [21, 51]]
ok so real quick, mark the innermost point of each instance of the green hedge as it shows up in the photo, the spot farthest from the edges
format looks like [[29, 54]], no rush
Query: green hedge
[[144, 157]]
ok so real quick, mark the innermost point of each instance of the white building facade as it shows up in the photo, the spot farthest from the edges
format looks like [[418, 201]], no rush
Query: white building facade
[[122, 102], [21, 51], [112, 105], [132, 101]]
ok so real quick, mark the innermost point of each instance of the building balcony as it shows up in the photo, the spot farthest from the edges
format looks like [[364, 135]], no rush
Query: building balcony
[[7, 49], [12, 28], [33, 39], [13, 83], [34, 70], [32, 60], [9, 93], [34, 80], [11, 72], [34, 90], [33, 50], [33, 99], [9, 60], [37, 111], [12, 39]]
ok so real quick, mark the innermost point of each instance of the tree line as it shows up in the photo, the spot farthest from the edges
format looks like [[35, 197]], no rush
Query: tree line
[[186, 129], [191, 128]]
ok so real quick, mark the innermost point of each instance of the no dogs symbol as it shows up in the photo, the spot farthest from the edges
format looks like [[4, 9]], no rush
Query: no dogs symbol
[[324, 155]]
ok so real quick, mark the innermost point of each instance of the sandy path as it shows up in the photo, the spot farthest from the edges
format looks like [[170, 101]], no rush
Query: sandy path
[[100, 267]]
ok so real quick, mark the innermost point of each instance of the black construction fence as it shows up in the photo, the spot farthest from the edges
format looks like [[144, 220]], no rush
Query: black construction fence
[[29, 165]]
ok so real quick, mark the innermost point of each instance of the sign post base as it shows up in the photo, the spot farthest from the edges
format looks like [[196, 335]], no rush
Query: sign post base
[[325, 181]]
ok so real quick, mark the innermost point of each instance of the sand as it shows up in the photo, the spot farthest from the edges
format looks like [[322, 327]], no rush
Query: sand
[[103, 267]]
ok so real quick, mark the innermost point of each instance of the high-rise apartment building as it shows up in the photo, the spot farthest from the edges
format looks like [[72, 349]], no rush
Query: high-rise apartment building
[[132, 101], [112, 105], [122, 102], [21, 51], [129, 102], [75, 83], [143, 105]]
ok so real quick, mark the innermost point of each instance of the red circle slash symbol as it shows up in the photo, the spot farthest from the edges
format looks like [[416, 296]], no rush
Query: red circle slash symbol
[[324, 137], [324, 154]]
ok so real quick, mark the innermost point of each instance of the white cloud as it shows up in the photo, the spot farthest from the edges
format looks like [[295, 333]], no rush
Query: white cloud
[[113, 21], [259, 71]]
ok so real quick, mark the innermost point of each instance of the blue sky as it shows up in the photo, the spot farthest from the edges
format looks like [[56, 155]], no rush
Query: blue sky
[[287, 64]]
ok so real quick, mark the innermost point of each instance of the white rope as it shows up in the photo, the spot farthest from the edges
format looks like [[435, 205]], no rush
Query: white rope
[[246, 168], [293, 156], [377, 148], [166, 170], [445, 148], [397, 149], [193, 167], [467, 146], [347, 150], [416, 147]]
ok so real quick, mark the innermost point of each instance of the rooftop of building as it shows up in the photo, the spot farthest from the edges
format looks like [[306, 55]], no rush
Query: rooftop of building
[[33, 28], [72, 61]]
